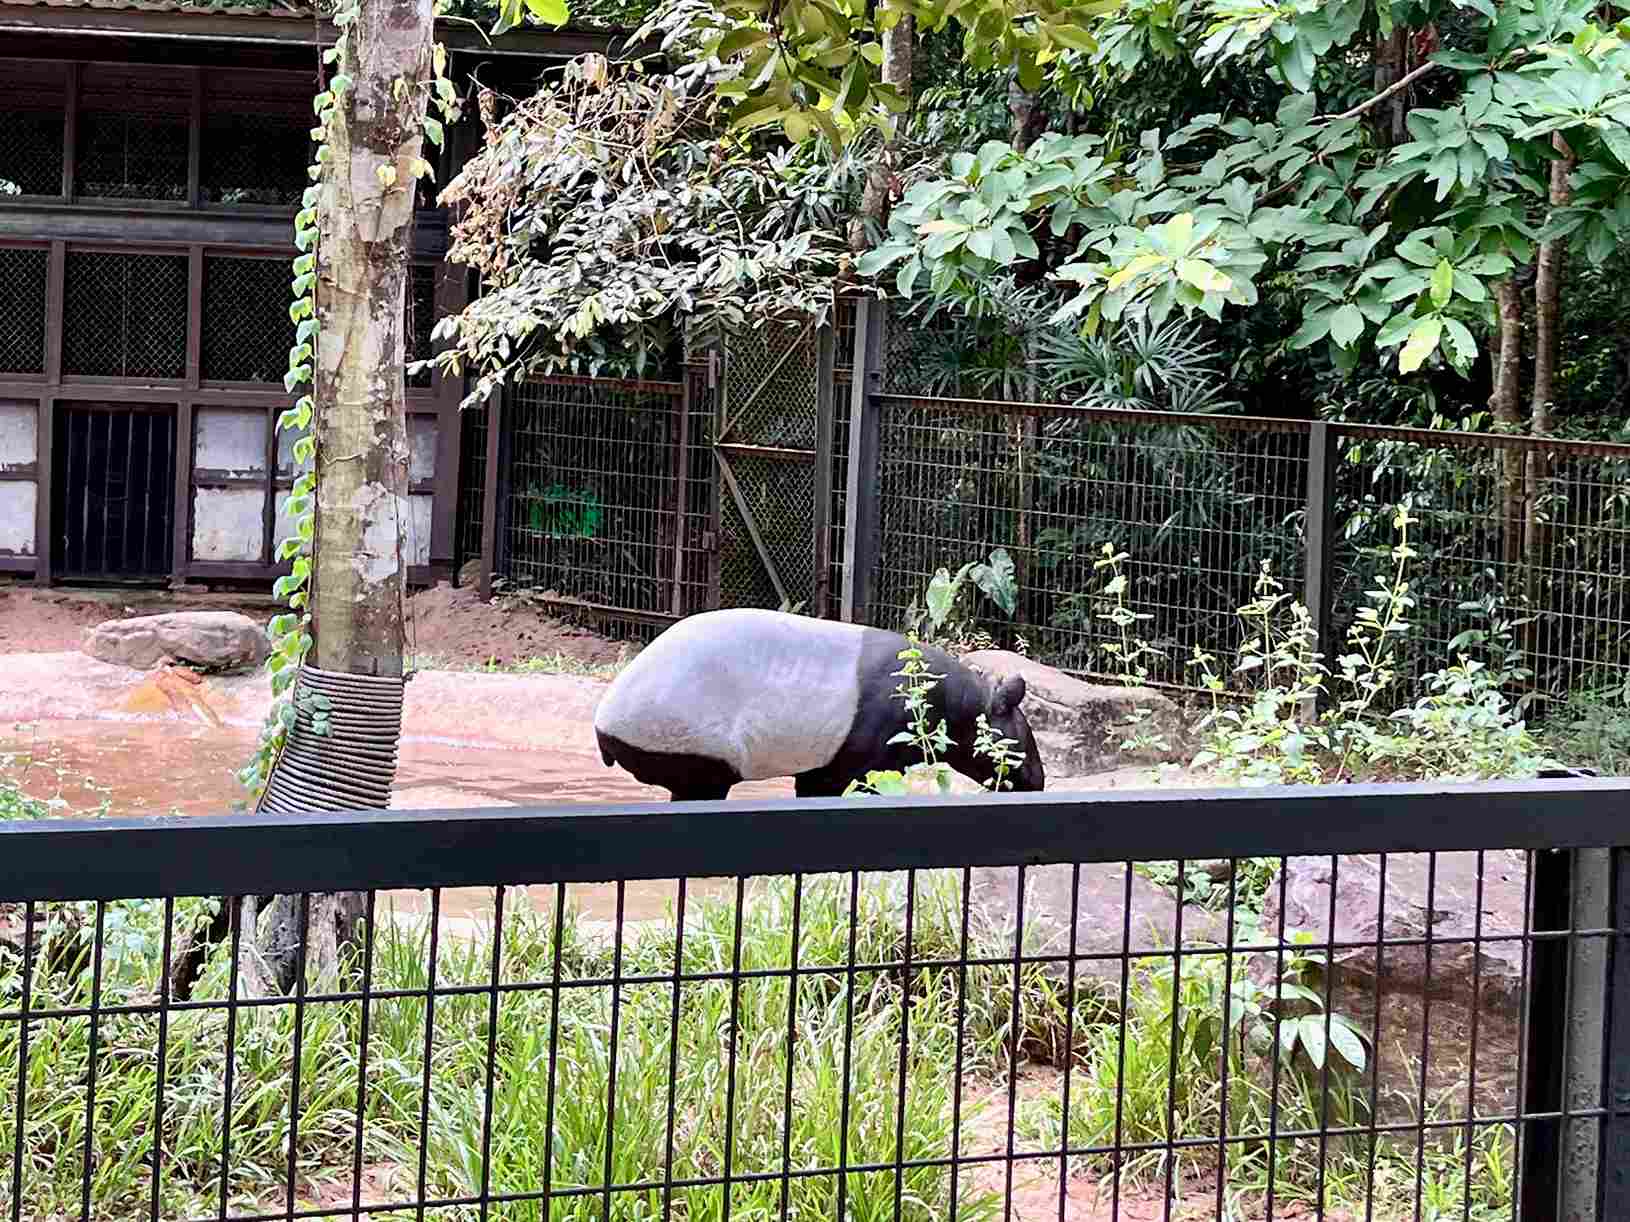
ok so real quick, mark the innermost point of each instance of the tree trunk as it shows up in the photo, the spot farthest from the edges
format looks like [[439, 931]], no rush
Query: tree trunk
[[359, 554], [1506, 403], [1391, 62], [1026, 118], [1547, 335], [898, 45]]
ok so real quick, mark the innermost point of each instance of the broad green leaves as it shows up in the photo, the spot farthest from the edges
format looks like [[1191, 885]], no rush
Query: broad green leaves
[[815, 66], [1398, 247]]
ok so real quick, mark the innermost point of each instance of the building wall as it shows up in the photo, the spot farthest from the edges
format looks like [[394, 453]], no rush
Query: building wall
[[145, 238]]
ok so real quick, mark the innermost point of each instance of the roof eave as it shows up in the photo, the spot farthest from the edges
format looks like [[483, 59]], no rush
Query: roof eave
[[266, 29]]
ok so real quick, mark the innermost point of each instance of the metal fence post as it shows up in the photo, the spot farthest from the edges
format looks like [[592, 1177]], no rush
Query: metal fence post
[[1614, 1163], [1321, 483], [862, 519], [820, 602], [1569, 1022]]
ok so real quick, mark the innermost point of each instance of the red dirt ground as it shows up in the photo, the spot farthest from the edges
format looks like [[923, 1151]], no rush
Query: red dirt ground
[[446, 626]]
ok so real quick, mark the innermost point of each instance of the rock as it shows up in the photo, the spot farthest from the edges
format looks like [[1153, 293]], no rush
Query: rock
[[921, 780], [1496, 965], [211, 640], [1078, 724], [470, 574], [1102, 927]]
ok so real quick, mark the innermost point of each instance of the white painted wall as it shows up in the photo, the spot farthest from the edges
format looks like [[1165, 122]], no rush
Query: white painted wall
[[230, 440], [18, 502], [19, 499], [227, 523], [19, 433]]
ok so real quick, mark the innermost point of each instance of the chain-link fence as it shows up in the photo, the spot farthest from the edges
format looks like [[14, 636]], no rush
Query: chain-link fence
[[1519, 544], [125, 315], [32, 96], [22, 308], [247, 333]]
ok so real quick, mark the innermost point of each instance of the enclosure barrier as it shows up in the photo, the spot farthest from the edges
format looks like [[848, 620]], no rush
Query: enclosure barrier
[[1531, 531], [950, 1008], [777, 472]]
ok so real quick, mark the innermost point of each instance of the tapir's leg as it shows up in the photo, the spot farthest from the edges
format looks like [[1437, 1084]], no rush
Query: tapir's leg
[[700, 793], [818, 784], [689, 778]]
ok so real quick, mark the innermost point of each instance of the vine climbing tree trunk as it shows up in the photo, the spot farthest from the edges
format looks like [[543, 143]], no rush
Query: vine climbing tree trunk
[[359, 557]]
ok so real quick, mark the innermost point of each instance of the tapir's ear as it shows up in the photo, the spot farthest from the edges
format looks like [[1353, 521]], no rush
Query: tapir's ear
[[1008, 696]]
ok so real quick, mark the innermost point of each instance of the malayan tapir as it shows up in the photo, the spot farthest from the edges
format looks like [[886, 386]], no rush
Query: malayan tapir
[[746, 695]]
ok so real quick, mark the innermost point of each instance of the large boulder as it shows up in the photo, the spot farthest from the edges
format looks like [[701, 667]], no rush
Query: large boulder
[[1106, 926], [1079, 725], [209, 640], [1452, 919]]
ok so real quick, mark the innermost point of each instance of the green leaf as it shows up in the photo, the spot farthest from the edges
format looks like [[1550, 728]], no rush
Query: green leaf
[[1314, 328], [1462, 347], [1417, 251], [1346, 1042], [433, 129], [339, 83], [1423, 341], [1311, 1030], [939, 597], [739, 40], [1346, 325], [1203, 276], [1443, 283], [549, 12]]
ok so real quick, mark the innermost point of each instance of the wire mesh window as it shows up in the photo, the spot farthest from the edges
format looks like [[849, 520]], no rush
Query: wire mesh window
[[23, 273], [125, 315], [256, 139], [33, 97], [254, 159], [246, 329], [420, 321], [133, 133]]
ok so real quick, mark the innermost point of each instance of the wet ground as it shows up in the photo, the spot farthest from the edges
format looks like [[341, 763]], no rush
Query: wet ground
[[104, 739], [171, 767]]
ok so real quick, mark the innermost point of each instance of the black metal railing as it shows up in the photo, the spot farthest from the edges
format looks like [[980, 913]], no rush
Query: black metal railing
[[956, 1007]]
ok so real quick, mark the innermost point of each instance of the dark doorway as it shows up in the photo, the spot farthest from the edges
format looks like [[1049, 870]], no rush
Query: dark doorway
[[114, 481]]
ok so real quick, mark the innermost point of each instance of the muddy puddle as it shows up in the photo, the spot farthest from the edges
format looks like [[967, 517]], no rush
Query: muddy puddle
[[148, 768]]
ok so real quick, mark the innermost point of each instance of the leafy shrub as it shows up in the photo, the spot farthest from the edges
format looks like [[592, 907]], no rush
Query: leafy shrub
[[1308, 723], [949, 612]]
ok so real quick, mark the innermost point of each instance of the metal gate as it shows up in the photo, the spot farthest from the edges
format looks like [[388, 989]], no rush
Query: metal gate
[[114, 481], [772, 449]]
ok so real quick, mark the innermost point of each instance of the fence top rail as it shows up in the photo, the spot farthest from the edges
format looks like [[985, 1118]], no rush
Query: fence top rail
[[1105, 415], [632, 385], [1482, 441], [277, 854], [1264, 424]]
